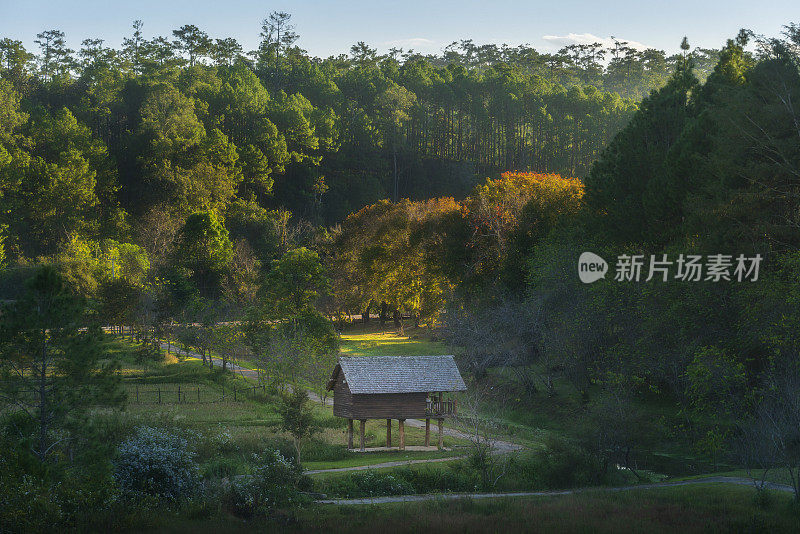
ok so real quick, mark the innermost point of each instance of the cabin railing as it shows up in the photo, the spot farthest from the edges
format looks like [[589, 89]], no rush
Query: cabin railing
[[445, 407]]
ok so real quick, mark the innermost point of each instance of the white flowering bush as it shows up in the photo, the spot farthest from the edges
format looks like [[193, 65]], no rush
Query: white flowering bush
[[223, 441], [158, 463], [276, 483]]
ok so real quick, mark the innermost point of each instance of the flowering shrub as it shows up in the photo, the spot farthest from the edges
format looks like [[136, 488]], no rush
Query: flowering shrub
[[276, 483], [157, 463]]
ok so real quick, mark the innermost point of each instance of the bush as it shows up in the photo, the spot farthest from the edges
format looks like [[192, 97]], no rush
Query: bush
[[25, 503], [402, 481], [276, 483], [149, 352], [562, 464], [158, 463], [221, 468]]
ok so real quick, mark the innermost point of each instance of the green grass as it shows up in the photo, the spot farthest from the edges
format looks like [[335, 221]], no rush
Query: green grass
[[363, 342], [702, 508], [372, 458]]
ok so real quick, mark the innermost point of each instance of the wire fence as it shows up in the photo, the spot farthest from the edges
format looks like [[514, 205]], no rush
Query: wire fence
[[193, 394]]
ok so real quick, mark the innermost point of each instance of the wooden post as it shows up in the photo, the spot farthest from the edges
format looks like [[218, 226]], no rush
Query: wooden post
[[388, 432], [427, 432], [179, 394], [363, 424], [401, 432], [159, 394], [198, 395], [349, 433], [441, 430], [137, 393]]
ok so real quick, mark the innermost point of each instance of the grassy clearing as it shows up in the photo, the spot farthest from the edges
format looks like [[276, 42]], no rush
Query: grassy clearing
[[228, 433], [366, 341]]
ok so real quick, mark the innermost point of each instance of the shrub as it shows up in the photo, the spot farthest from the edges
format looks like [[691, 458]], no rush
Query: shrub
[[276, 483], [221, 467], [158, 463], [149, 352], [401, 481], [562, 464], [25, 503]]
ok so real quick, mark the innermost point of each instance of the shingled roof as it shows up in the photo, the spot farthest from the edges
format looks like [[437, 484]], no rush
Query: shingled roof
[[398, 374]]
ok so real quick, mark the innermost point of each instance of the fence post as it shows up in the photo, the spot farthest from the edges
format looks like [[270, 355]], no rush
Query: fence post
[[234, 393], [223, 393], [159, 394], [198, 395], [137, 393], [179, 394]]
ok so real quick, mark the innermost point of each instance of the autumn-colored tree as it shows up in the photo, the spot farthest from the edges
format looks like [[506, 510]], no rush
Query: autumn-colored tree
[[492, 215]]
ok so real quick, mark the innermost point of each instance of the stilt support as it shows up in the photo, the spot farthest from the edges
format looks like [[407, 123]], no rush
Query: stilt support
[[388, 432], [363, 424], [401, 432], [349, 433], [427, 432], [441, 431]]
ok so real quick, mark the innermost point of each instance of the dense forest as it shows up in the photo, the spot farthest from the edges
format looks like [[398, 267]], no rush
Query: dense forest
[[183, 187], [194, 124]]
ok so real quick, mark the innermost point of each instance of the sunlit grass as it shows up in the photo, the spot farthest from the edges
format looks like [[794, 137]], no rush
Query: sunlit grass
[[389, 344]]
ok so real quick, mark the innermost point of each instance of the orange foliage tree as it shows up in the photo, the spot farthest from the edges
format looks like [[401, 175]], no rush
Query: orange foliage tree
[[494, 211]]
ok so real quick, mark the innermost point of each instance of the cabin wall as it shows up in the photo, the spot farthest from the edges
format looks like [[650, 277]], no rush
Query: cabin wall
[[377, 406], [342, 399], [389, 406]]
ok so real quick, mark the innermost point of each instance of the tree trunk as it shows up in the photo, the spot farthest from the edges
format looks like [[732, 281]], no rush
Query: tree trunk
[[394, 157], [43, 400], [384, 313]]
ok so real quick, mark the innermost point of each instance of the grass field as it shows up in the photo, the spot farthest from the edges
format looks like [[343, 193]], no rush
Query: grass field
[[361, 341], [249, 425], [702, 508]]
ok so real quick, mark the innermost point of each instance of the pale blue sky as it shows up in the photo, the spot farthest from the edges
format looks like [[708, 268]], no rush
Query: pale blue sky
[[330, 27]]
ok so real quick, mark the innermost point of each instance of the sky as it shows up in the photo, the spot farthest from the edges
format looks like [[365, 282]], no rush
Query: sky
[[331, 27]]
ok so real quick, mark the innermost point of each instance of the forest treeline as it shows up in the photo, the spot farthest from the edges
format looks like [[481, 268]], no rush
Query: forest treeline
[[95, 141]]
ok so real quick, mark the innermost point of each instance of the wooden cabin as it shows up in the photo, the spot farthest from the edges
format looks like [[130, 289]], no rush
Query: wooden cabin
[[394, 387]]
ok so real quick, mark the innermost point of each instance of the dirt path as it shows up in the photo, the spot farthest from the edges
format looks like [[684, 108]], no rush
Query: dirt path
[[452, 496]]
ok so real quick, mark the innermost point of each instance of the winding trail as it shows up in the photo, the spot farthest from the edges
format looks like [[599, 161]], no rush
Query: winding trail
[[454, 496]]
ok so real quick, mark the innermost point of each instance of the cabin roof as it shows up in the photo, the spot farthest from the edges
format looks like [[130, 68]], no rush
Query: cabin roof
[[398, 374]]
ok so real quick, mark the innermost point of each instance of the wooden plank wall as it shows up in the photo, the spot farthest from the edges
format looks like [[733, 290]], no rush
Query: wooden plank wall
[[377, 406]]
